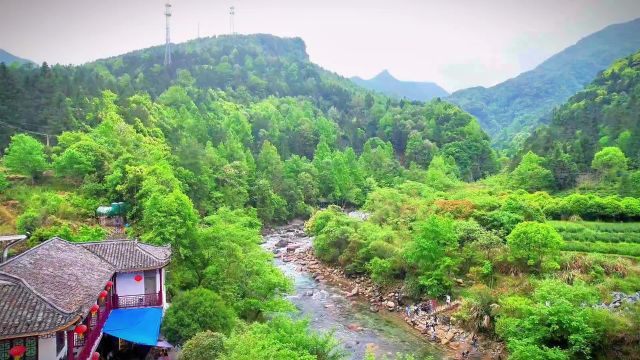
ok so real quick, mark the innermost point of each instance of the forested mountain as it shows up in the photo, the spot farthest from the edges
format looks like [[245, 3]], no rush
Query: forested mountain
[[605, 114], [510, 110], [412, 90], [8, 58], [260, 75]]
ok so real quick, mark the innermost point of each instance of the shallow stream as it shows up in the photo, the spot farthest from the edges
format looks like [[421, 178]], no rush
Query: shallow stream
[[327, 308]]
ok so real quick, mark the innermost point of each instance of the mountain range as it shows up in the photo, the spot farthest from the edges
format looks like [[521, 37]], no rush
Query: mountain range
[[385, 83], [8, 58], [510, 110]]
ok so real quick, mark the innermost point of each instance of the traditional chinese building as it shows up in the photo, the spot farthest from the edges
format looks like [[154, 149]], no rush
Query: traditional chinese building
[[58, 299]]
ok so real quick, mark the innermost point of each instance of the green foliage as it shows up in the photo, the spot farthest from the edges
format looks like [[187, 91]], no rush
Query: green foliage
[[4, 183], [534, 244], [195, 311], [281, 339], [168, 218], [610, 163], [206, 345], [440, 175], [553, 323], [25, 156], [429, 256], [602, 119], [530, 175], [225, 256]]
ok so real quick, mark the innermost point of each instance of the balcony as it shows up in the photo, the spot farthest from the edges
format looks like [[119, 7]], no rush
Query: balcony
[[134, 301], [84, 345]]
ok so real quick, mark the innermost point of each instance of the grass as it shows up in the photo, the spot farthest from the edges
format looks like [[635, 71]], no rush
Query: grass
[[625, 249]]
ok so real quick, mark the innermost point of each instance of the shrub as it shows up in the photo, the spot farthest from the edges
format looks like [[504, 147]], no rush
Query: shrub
[[206, 345], [533, 243], [194, 311]]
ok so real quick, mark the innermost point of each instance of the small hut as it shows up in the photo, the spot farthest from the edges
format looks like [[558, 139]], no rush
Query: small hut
[[112, 216]]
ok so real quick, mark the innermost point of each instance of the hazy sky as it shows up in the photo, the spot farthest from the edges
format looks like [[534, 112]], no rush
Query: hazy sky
[[455, 43]]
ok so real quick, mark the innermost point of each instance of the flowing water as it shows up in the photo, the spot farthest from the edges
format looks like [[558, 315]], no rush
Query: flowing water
[[329, 310]]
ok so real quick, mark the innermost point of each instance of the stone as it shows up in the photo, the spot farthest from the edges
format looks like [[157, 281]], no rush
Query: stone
[[282, 243], [354, 327], [390, 305], [354, 292]]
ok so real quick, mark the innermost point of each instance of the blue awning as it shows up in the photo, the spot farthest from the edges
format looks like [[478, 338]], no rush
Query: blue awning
[[140, 326]]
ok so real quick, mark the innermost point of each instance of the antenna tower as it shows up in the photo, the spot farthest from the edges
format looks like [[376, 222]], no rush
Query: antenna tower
[[167, 49], [232, 13]]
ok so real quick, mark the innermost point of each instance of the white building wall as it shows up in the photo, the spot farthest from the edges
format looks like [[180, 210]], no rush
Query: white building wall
[[127, 285], [47, 349]]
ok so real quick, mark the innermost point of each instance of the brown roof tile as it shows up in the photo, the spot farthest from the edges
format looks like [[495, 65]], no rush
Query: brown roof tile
[[130, 255], [22, 312], [50, 286], [67, 275]]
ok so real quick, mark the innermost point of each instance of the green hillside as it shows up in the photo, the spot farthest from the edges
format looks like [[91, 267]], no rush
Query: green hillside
[[605, 114], [510, 110], [248, 69]]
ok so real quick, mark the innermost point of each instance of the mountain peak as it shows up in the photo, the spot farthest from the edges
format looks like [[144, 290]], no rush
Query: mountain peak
[[385, 74], [386, 83]]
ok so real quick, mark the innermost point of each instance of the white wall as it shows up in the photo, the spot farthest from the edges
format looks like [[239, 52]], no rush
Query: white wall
[[127, 285], [47, 348]]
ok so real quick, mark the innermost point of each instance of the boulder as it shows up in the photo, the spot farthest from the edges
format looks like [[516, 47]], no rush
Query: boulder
[[390, 305], [282, 243]]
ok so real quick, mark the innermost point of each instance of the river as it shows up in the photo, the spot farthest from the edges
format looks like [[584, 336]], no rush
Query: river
[[328, 309]]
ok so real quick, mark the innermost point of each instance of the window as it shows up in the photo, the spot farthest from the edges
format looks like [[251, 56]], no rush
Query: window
[[31, 343], [60, 341], [5, 345]]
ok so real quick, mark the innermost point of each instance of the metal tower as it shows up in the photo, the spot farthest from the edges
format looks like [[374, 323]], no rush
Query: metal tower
[[167, 49], [232, 13]]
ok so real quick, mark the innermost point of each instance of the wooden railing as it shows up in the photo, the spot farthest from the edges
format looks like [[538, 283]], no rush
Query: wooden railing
[[95, 324], [141, 300]]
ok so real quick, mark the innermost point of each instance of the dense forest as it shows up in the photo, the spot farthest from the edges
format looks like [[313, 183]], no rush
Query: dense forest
[[243, 132], [511, 110], [605, 114]]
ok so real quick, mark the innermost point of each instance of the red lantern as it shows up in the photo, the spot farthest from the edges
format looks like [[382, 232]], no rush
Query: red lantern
[[103, 295], [109, 285], [80, 330], [95, 356], [94, 309], [17, 351], [137, 278]]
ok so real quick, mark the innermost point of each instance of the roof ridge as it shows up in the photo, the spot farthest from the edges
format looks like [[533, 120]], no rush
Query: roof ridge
[[104, 241], [147, 251], [30, 249]]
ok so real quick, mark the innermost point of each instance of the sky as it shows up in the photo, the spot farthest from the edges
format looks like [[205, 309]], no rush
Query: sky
[[455, 43]]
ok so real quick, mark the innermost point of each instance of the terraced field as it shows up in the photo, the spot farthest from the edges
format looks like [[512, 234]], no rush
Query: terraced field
[[600, 237]]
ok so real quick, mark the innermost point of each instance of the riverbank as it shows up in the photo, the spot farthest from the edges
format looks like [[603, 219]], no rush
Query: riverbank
[[293, 247]]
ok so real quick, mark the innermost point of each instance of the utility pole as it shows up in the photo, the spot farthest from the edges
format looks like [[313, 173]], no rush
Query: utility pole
[[232, 14], [167, 49]]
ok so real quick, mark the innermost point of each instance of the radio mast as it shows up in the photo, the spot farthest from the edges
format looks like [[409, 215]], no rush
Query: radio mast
[[232, 14], [167, 49]]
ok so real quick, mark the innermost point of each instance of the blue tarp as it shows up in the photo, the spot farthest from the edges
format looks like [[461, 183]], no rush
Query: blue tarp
[[140, 326]]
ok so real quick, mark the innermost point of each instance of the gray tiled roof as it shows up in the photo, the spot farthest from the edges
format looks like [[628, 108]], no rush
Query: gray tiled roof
[[67, 275], [129, 255], [22, 312], [50, 286]]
